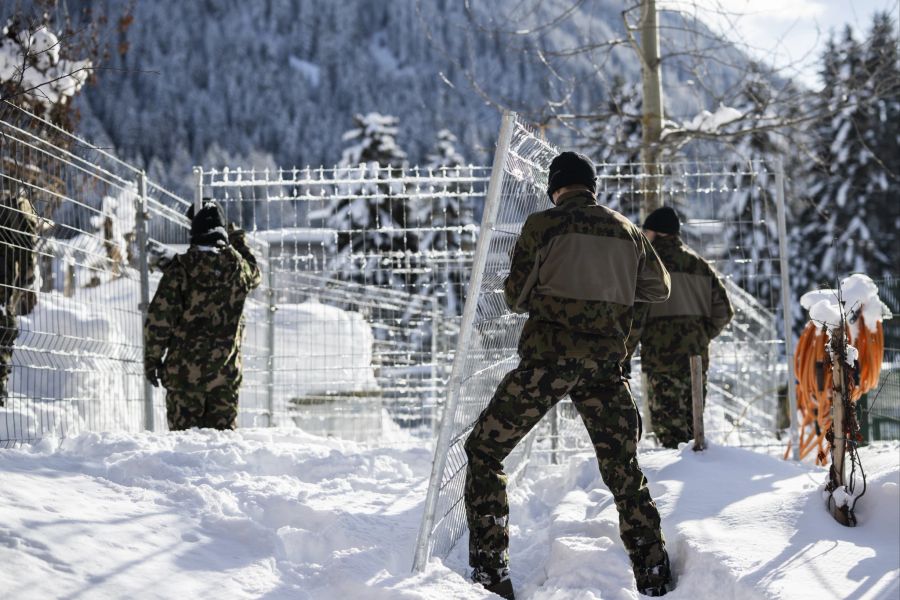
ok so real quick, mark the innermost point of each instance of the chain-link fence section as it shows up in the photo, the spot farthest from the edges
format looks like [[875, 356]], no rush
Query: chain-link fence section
[[730, 218]]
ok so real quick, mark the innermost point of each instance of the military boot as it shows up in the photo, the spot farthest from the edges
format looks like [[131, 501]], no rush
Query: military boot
[[653, 581], [496, 581]]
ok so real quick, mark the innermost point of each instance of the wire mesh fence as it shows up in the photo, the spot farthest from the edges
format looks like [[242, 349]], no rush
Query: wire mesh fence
[[730, 218], [367, 273], [72, 356], [880, 408], [364, 272]]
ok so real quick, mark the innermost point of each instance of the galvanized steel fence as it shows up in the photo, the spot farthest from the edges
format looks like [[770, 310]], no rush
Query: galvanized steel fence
[[347, 335], [732, 214], [367, 271]]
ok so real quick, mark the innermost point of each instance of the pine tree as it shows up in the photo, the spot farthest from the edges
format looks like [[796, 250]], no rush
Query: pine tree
[[851, 223], [374, 244], [750, 235], [617, 137], [449, 235]]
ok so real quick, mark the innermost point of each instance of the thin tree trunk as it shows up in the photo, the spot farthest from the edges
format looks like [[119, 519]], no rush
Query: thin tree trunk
[[652, 107]]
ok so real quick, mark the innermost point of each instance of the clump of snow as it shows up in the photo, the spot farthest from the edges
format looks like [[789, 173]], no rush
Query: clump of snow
[[32, 60], [860, 299], [319, 349], [852, 355], [705, 121], [825, 313]]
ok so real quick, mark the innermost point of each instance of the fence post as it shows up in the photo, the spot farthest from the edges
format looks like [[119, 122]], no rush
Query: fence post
[[697, 402], [144, 267], [198, 189], [491, 206], [435, 332], [554, 434], [270, 320], [837, 475], [788, 316]]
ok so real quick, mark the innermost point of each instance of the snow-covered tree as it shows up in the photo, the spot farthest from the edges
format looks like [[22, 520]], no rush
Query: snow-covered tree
[[750, 234], [851, 223], [448, 235], [617, 140], [374, 242], [35, 74], [618, 136]]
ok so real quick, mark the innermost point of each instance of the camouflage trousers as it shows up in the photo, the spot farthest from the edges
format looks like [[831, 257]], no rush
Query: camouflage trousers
[[9, 331], [671, 405], [605, 405], [214, 409]]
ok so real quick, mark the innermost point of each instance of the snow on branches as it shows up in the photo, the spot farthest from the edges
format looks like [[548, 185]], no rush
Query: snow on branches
[[30, 63]]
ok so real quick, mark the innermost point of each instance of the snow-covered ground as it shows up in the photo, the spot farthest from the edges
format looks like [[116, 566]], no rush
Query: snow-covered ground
[[277, 513]]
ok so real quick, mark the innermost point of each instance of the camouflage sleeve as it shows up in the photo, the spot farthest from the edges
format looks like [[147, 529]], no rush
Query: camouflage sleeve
[[522, 270], [641, 310], [163, 315], [722, 311], [250, 275], [653, 281]]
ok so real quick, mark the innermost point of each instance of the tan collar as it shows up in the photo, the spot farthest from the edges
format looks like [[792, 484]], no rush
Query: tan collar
[[582, 197]]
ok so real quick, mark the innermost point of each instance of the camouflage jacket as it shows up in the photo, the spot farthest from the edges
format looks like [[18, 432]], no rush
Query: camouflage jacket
[[194, 324], [18, 236], [696, 312], [577, 269]]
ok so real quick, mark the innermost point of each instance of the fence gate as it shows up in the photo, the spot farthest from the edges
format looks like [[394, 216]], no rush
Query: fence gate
[[731, 215]]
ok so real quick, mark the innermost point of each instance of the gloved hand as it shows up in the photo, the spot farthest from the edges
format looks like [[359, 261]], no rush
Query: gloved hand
[[152, 374]]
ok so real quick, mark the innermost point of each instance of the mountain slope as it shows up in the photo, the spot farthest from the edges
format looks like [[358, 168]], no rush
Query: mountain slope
[[222, 81]]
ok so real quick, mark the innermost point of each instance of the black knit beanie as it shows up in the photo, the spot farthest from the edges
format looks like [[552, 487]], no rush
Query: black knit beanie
[[208, 226], [663, 220], [570, 168]]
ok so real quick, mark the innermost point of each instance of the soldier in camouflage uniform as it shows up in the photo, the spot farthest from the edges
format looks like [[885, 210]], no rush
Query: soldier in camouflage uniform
[[577, 269], [194, 326], [682, 326], [19, 226]]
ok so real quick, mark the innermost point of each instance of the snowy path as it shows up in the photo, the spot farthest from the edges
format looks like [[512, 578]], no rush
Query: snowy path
[[280, 514]]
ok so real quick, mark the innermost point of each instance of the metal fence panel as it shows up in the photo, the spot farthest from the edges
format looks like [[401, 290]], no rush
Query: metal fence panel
[[881, 409], [367, 272], [76, 359], [730, 218]]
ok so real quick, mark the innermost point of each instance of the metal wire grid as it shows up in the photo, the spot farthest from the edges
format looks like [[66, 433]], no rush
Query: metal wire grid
[[368, 267], [730, 219], [77, 360], [881, 412]]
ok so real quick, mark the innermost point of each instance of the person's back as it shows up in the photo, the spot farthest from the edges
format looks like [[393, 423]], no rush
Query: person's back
[[204, 344], [683, 326], [577, 269], [194, 326], [695, 313]]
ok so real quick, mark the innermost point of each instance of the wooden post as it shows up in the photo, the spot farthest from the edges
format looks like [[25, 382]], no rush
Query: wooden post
[[838, 417], [697, 399]]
